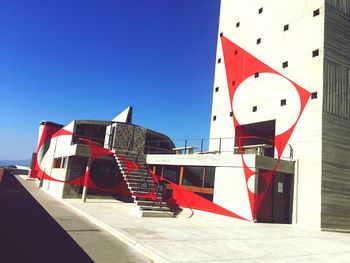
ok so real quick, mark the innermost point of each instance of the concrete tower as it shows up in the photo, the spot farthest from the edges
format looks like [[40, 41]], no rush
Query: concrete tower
[[283, 77]]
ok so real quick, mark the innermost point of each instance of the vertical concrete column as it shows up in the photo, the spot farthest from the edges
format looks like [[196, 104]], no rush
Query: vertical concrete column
[[86, 180], [295, 193]]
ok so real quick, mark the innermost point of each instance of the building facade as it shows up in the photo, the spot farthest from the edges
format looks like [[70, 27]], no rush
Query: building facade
[[282, 78]]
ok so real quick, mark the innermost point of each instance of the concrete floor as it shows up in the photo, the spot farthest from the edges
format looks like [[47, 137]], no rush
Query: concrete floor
[[35, 227], [206, 237]]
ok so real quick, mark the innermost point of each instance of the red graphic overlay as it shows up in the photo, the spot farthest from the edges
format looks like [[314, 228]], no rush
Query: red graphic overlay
[[241, 65], [178, 195]]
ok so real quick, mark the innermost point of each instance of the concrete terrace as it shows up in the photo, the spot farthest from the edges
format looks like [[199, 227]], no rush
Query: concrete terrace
[[210, 238]]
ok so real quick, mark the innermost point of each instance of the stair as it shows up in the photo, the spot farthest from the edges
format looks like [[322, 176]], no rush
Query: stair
[[142, 187]]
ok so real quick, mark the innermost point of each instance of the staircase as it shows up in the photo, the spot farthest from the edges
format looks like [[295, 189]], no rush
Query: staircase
[[143, 186]]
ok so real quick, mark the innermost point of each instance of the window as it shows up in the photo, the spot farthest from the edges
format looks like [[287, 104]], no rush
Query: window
[[285, 64], [283, 102], [221, 34], [198, 176], [255, 108], [216, 89], [64, 161], [236, 52], [238, 24], [214, 118], [315, 53], [256, 75], [219, 60], [260, 10], [316, 12], [314, 95], [286, 27], [172, 173], [209, 177], [193, 176], [258, 41], [231, 114], [57, 163], [233, 83]]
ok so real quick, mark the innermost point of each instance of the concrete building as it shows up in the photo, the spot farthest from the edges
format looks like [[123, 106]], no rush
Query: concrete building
[[279, 147], [283, 77]]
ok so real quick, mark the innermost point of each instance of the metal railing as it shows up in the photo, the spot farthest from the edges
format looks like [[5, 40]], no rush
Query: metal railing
[[137, 155], [235, 145]]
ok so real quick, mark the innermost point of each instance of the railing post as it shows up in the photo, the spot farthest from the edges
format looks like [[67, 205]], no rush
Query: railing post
[[185, 146], [202, 146], [219, 145]]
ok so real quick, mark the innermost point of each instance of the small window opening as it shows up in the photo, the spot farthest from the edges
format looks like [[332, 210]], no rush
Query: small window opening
[[255, 108], [256, 75], [315, 53], [236, 52], [231, 114], [221, 34], [219, 60], [283, 102], [233, 83], [214, 118], [238, 24], [216, 89], [260, 10], [316, 12], [57, 163], [285, 64], [314, 95], [286, 27], [258, 41]]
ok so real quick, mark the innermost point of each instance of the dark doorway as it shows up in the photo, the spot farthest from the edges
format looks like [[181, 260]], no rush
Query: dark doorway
[[278, 201], [256, 134]]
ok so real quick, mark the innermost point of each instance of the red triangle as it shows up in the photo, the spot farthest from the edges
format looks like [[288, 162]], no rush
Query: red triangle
[[239, 66]]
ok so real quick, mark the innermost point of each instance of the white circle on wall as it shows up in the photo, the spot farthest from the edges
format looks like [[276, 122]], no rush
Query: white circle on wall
[[251, 183], [274, 97]]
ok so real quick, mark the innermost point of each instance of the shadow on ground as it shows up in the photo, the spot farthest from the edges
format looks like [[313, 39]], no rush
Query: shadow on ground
[[28, 233]]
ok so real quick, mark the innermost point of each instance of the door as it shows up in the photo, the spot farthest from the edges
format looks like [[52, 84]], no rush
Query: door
[[282, 198], [276, 206]]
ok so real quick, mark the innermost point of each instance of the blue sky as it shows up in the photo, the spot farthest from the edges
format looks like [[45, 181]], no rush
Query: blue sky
[[64, 60]]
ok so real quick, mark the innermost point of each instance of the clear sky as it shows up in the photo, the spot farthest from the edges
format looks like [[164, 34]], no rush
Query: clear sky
[[62, 60]]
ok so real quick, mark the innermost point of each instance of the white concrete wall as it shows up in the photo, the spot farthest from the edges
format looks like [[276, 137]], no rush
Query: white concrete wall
[[64, 142], [230, 191]]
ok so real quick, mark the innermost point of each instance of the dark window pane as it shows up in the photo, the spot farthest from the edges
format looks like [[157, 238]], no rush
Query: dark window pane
[[193, 176], [209, 177], [57, 163], [158, 170], [172, 173], [206, 196]]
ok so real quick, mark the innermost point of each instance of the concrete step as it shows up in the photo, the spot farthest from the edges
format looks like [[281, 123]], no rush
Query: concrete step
[[155, 208], [139, 179], [132, 184], [157, 214], [135, 191], [149, 203], [138, 173]]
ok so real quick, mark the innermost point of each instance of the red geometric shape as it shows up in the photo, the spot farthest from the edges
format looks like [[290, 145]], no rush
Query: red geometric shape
[[240, 65]]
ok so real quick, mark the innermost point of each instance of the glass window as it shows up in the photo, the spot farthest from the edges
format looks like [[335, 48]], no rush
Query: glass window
[[57, 163], [158, 170], [209, 177], [193, 176], [172, 173]]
